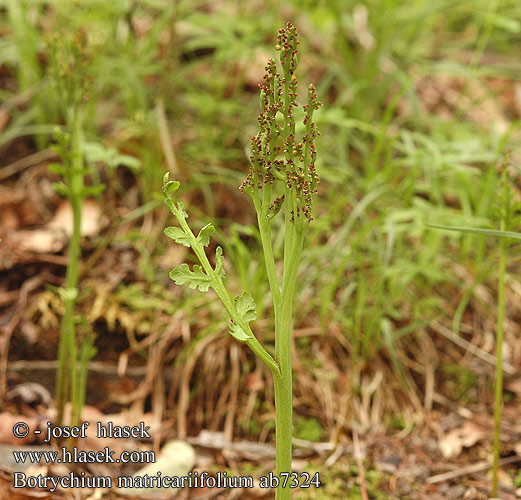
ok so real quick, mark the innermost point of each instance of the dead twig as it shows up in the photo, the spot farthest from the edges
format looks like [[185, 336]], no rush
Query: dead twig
[[28, 161], [473, 349], [262, 451], [94, 366], [470, 469], [360, 463]]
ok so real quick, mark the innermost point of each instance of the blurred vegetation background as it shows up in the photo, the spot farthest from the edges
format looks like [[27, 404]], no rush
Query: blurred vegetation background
[[422, 99]]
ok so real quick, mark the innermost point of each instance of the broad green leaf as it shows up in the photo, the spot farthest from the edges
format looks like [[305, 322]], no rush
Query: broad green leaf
[[219, 263], [110, 157], [195, 279], [204, 234], [507, 23], [238, 333], [127, 161], [245, 306], [178, 235], [96, 152], [169, 187], [479, 231]]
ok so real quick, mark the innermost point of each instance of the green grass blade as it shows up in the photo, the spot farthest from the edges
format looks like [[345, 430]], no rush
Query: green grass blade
[[478, 231]]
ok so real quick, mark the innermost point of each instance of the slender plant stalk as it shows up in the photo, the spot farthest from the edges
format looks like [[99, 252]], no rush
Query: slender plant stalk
[[69, 63], [283, 384], [278, 160], [67, 353], [79, 386], [498, 387], [508, 207]]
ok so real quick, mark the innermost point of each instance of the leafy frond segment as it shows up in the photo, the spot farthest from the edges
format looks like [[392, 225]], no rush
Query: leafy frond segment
[[204, 276], [195, 279], [245, 306]]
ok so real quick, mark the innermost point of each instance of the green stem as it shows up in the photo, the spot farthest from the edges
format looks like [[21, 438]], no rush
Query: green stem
[[283, 329], [82, 369], [269, 260], [498, 389], [267, 245], [64, 363], [67, 351], [283, 429]]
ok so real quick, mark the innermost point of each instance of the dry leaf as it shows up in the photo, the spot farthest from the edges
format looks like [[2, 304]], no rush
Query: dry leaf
[[176, 458], [514, 386], [452, 444], [503, 477], [90, 219], [361, 27], [40, 240], [7, 492], [53, 237], [254, 68], [9, 464], [30, 393], [4, 119], [7, 422]]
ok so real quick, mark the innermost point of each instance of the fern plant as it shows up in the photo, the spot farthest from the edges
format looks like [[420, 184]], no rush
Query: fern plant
[[282, 179], [69, 73]]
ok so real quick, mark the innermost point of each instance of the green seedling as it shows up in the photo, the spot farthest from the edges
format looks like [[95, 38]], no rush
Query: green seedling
[[507, 209], [282, 179], [68, 65]]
